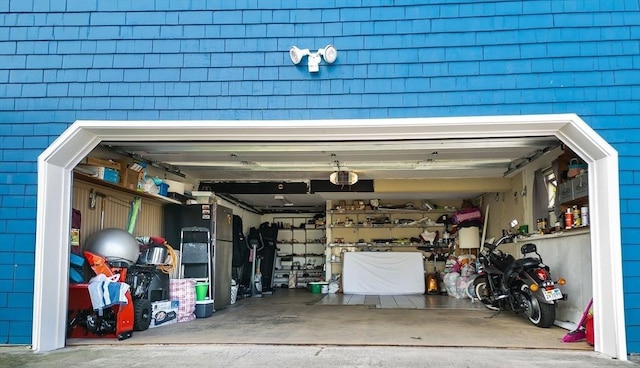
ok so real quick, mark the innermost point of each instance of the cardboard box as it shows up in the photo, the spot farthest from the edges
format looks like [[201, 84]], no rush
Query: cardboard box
[[102, 162], [129, 178], [164, 312], [109, 174], [100, 172]]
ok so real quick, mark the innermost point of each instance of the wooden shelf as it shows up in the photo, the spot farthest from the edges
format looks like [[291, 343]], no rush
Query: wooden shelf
[[371, 245], [383, 211], [576, 201], [386, 226], [91, 180]]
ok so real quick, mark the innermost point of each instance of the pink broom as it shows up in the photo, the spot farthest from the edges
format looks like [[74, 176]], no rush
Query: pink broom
[[580, 332]]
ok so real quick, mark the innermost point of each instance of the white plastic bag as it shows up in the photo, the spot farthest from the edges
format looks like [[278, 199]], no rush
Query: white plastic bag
[[462, 286], [450, 283], [106, 291]]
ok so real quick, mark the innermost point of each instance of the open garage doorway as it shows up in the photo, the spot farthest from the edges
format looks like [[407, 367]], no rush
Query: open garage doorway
[[55, 167]]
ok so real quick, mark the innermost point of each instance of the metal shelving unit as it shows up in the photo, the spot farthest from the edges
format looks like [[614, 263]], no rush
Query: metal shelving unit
[[301, 251], [384, 229]]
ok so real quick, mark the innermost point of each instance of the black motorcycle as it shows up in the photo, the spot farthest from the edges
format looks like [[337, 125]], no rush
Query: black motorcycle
[[521, 285]]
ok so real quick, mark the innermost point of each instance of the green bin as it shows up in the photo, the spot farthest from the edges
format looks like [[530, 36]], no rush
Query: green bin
[[315, 287]]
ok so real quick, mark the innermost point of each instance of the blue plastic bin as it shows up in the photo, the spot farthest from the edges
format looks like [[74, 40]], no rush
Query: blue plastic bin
[[164, 188]]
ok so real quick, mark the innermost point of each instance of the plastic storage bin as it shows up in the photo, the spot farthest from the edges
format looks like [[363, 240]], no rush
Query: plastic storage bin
[[163, 189], [204, 308]]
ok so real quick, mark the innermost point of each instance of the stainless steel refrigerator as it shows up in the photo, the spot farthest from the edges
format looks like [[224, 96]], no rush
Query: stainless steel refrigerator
[[219, 221]]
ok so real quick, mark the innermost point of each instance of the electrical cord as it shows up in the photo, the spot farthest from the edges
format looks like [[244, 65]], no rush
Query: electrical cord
[[168, 268]]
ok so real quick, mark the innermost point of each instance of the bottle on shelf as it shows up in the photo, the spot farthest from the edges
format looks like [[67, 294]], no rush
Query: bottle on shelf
[[568, 219]]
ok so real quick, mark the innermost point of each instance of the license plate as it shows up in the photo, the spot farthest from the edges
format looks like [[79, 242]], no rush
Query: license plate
[[554, 294]]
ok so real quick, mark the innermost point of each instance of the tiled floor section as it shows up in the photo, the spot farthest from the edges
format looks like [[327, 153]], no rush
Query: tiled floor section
[[401, 301]]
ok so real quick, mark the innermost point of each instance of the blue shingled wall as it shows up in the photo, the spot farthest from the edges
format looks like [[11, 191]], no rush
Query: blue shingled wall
[[205, 59]]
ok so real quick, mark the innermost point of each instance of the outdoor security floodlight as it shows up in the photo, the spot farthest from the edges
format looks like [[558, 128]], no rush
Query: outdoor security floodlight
[[329, 54], [296, 54]]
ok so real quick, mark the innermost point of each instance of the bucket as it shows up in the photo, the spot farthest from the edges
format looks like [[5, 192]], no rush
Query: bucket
[[315, 287], [201, 291], [154, 255], [325, 288]]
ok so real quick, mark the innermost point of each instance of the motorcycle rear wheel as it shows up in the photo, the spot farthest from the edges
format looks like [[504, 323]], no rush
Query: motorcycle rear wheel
[[483, 293], [540, 314]]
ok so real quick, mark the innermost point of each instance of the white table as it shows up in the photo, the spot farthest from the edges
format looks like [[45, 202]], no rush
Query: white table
[[383, 273]]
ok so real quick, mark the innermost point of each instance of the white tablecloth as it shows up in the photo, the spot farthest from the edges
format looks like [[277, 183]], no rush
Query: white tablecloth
[[383, 273]]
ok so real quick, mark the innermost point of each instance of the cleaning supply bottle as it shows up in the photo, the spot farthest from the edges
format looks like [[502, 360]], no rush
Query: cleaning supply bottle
[[577, 220], [568, 219]]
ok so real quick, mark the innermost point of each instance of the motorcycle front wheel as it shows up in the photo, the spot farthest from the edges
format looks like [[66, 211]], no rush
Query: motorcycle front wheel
[[483, 293], [540, 314]]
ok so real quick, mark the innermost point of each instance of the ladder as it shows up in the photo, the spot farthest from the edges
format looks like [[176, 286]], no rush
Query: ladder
[[195, 260]]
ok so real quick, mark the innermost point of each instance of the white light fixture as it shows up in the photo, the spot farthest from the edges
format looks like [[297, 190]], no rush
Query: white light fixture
[[328, 53], [285, 201], [343, 178], [297, 54]]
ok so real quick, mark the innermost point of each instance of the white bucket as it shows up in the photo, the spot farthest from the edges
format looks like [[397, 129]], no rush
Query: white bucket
[[324, 289]]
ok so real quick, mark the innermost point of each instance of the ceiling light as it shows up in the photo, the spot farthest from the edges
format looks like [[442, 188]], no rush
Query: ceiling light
[[285, 201], [343, 178], [328, 53]]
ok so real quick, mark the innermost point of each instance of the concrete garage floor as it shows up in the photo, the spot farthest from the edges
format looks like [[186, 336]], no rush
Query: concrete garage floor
[[297, 317]]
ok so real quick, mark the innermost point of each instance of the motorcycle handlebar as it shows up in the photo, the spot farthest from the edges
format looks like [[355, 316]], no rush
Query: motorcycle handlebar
[[489, 246], [495, 245]]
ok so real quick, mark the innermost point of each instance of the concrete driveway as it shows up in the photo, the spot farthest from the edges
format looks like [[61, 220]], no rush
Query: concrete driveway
[[284, 356]]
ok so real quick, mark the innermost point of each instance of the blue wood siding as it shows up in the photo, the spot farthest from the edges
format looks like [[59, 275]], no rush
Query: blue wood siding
[[204, 59]]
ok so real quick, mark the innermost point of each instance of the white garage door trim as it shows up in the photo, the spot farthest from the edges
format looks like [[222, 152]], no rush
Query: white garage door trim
[[55, 166]]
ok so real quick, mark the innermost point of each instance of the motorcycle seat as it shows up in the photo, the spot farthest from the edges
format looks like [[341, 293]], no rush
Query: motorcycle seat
[[504, 261], [527, 262]]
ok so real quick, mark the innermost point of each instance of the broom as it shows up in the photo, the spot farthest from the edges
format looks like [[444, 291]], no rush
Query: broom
[[579, 333]]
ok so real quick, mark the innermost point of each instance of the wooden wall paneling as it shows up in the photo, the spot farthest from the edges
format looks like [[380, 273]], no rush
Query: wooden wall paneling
[[116, 207]]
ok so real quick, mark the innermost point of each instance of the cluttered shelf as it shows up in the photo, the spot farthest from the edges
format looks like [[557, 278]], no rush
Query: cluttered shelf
[[298, 268], [91, 180], [385, 226], [300, 275], [555, 234], [300, 255], [376, 244], [382, 211]]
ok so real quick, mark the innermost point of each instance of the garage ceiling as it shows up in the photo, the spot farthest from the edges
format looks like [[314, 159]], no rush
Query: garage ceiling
[[277, 162]]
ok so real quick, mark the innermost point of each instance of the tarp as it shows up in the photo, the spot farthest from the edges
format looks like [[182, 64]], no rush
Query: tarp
[[383, 273]]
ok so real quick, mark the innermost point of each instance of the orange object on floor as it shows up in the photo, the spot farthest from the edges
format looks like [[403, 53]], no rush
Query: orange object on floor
[[80, 301], [589, 329]]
